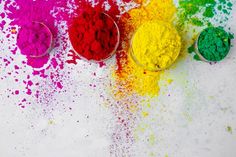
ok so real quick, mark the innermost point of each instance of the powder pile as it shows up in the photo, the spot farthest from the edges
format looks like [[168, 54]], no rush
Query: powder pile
[[156, 45], [94, 35], [214, 43], [129, 77], [34, 39]]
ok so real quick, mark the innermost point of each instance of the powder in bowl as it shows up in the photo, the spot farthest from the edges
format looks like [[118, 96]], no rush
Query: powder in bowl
[[213, 44], [155, 45], [94, 35], [34, 39]]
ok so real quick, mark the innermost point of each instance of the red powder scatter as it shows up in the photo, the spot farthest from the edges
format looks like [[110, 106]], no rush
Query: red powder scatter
[[73, 58], [121, 61], [94, 35], [101, 64]]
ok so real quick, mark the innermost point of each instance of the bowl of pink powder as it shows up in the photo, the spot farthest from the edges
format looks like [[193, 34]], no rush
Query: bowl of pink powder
[[34, 39]]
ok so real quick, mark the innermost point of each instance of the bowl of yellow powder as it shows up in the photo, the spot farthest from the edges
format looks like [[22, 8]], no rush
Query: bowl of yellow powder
[[155, 45]]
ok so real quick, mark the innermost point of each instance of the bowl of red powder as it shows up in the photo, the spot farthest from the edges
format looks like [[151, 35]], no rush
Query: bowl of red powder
[[34, 39], [94, 35]]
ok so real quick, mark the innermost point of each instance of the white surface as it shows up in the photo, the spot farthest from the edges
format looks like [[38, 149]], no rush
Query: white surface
[[191, 122]]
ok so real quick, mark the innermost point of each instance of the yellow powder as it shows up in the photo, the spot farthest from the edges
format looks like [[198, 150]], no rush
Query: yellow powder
[[131, 79], [156, 45]]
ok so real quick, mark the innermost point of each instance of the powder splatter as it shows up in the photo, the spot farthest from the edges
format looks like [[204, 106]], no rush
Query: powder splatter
[[195, 15], [45, 73], [199, 12], [131, 78]]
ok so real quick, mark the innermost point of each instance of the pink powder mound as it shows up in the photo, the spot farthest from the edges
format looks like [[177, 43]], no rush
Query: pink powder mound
[[34, 39]]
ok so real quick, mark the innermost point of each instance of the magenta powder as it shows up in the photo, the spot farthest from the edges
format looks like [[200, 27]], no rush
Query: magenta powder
[[34, 40]]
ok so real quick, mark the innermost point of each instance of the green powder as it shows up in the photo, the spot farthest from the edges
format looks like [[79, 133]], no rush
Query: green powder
[[214, 43], [199, 12]]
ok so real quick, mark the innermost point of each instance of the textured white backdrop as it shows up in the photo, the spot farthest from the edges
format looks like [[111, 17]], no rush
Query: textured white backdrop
[[192, 122]]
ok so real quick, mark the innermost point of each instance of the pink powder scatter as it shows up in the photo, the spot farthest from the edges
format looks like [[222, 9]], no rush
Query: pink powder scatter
[[2, 24], [2, 15], [59, 85], [34, 39], [17, 92]]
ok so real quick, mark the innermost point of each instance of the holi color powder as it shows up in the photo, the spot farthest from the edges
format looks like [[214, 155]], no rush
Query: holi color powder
[[131, 78], [42, 76], [34, 40], [131, 86], [195, 15], [83, 48], [214, 43], [94, 35], [200, 12]]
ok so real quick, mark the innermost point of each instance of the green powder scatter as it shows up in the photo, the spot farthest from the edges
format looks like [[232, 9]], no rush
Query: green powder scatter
[[209, 12], [205, 9], [196, 57], [197, 22], [214, 43], [191, 49], [219, 7], [229, 4], [229, 129]]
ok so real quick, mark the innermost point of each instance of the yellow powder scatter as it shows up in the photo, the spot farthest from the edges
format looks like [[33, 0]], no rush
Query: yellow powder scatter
[[131, 79], [169, 81], [145, 114], [156, 45], [163, 10]]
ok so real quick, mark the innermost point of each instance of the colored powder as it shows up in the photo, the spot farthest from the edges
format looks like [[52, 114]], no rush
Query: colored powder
[[47, 73], [156, 45], [23, 12], [130, 78], [94, 35], [214, 43], [110, 7], [199, 12], [34, 39]]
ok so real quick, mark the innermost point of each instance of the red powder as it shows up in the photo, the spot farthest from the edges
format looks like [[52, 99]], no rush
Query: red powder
[[94, 35]]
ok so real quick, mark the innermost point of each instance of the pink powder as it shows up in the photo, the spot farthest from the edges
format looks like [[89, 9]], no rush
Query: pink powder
[[34, 39], [47, 77]]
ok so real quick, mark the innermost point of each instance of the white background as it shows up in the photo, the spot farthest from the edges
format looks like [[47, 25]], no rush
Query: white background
[[192, 121]]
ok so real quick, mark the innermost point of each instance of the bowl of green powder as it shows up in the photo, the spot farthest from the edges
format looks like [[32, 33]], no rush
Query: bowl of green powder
[[213, 44]]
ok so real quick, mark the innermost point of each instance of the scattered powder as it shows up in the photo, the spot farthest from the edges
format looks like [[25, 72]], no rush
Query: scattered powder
[[199, 12], [45, 73], [129, 77]]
